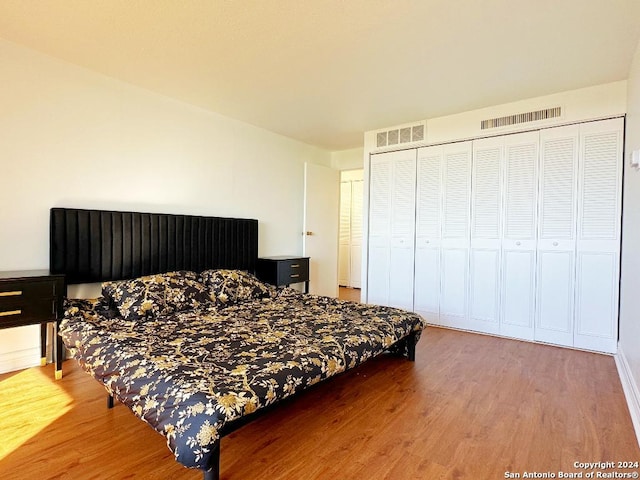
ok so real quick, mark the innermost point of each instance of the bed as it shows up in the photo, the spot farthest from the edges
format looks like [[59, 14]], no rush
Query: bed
[[188, 339]]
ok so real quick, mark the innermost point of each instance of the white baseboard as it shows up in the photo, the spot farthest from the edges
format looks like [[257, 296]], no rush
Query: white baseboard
[[631, 391], [19, 360]]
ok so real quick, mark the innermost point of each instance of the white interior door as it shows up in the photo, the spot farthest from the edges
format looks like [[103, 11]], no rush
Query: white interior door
[[428, 227], [356, 232], [519, 235], [321, 213], [403, 213], [344, 253], [454, 259], [598, 235], [556, 235], [380, 178], [486, 226], [392, 179]]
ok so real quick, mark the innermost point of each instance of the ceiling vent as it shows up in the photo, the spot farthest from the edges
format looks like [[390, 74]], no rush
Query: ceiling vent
[[521, 118], [401, 135]]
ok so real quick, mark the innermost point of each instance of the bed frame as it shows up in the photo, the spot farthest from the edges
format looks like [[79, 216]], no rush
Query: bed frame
[[90, 246]]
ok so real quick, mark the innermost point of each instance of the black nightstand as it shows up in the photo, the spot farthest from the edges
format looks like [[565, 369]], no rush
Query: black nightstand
[[29, 297], [284, 270]]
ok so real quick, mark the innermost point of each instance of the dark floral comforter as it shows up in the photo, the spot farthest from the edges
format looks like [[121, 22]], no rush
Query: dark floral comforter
[[189, 373]]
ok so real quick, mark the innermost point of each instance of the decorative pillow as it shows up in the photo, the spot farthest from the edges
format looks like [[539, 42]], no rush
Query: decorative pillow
[[232, 286], [153, 295]]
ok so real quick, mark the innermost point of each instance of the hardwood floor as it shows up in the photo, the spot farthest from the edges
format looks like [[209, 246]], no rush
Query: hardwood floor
[[351, 294], [470, 407]]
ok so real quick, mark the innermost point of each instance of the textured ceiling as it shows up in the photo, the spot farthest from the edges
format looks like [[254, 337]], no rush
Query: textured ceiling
[[325, 71]]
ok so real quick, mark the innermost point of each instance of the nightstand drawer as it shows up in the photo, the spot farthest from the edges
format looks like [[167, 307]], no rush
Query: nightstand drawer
[[293, 271], [21, 312], [31, 301], [282, 270], [10, 291]]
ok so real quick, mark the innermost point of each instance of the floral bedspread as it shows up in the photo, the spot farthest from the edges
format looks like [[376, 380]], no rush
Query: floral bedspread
[[189, 373]]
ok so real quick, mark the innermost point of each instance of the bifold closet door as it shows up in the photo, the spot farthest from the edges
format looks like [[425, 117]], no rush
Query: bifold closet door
[[350, 242], [391, 228], [380, 178], [598, 235], [454, 251], [518, 272], [344, 245], [486, 236], [356, 233], [556, 235], [428, 226]]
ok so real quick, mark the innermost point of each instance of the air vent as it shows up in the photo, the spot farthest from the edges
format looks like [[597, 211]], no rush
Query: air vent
[[521, 118], [401, 135]]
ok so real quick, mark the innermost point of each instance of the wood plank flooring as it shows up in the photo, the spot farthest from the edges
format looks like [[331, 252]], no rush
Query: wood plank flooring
[[351, 294], [470, 407]]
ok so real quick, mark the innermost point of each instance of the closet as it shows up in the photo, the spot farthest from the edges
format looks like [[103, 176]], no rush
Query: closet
[[515, 235], [392, 178], [442, 236]]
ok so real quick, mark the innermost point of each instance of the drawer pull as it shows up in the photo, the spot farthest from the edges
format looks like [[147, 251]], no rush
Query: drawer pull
[[15, 293], [295, 275], [10, 312], [295, 265]]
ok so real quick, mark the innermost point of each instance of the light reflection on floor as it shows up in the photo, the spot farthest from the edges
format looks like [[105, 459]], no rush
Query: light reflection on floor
[[45, 403]]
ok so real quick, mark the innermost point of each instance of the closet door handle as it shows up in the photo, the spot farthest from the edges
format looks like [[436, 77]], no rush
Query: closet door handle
[[518, 243], [555, 244]]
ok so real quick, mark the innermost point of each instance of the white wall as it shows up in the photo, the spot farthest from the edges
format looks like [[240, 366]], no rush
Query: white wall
[[630, 271], [351, 175], [348, 159], [577, 106], [70, 137]]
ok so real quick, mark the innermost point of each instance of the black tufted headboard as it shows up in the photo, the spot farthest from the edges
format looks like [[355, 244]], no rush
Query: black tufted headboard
[[98, 245]]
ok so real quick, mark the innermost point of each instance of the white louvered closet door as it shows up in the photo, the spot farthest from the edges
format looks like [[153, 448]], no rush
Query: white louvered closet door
[[556, 235], [380, 178], [598, 242], [428, 226], [344, 245], [403, 200], [356, 233], [391, 229], [519, 235], [454, 258], [486, 236]]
